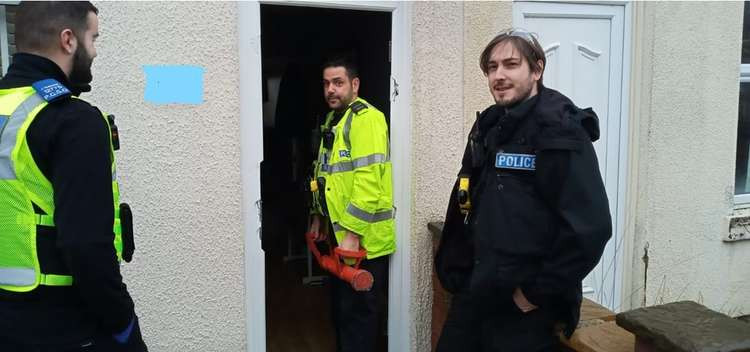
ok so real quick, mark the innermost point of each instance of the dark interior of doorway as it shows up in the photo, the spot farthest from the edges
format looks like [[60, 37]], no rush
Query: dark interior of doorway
[[295, 41]]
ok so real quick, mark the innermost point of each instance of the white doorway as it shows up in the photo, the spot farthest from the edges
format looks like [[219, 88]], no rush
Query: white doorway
[[587, 60], [252, 154]]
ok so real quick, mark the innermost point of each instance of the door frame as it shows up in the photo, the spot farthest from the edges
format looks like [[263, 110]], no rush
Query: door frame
[[251, 153], [623, 247]]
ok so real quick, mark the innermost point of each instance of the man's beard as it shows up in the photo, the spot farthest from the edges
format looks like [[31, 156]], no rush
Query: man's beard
[[80, 75], [525, 94], [344, 102], [518, 99]]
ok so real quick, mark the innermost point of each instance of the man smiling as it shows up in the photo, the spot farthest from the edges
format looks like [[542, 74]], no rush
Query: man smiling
[[529, 217]]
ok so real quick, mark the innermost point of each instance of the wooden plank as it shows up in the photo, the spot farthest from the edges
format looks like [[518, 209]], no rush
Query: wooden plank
[[603, 337], [592, 310]]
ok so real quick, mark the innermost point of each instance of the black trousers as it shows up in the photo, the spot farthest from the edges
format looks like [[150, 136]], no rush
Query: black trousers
[[357, 315], [99, 343], [495, 324]]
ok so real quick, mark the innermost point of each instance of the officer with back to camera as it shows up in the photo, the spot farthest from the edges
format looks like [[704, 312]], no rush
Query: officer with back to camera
[[62, 229]]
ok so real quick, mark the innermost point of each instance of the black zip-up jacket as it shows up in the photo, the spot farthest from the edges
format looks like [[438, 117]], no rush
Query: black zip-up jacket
[[69, 141], [540, 228]]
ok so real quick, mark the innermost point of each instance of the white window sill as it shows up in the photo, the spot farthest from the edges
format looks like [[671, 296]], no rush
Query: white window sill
[[737, 225]]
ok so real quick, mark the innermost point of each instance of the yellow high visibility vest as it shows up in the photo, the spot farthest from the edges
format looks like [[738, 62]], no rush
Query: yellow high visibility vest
[[23, 185]]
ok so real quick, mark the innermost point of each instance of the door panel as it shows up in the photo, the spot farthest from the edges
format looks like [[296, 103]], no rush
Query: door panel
[[579, 64], [584, 48]]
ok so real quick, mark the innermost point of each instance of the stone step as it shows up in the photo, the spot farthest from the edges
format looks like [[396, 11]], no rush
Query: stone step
[[685, 326]]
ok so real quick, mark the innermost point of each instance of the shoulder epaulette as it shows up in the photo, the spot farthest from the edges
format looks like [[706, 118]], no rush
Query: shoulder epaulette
[[51, 90], [358, 106]]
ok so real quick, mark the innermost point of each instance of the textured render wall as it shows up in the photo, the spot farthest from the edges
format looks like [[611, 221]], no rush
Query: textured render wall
[[179, 169], [437, 76], [482, 22], [448, 88], [685, 125]]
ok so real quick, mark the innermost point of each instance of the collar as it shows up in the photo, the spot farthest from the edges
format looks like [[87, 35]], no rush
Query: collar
[[523, 108], [337, 116], [29, 68]]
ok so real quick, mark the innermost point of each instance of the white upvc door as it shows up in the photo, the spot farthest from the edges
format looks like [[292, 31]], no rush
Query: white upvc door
[[251, 133], [586, 56]]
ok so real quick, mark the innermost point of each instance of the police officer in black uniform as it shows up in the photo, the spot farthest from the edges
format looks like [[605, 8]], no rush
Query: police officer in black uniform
[[70, 142], [528, 218]]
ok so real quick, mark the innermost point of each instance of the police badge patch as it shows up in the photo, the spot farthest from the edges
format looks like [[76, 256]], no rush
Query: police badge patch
[[515, 161], [50, 89]]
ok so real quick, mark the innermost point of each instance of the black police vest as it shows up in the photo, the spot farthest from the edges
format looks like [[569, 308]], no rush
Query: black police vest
[[512, 225]]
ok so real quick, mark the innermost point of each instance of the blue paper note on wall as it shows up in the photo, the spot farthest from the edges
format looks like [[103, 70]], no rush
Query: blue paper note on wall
[[174, 84]]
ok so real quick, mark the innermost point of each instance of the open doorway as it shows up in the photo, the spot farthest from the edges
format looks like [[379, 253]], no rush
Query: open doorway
[[295, 42]]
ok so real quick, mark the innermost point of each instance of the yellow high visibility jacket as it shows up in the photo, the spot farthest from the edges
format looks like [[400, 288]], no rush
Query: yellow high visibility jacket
[[358, 183], [23, 185]]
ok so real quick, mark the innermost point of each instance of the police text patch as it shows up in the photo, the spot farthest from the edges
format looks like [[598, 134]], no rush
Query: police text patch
[[344, 154], [515, 161], [50, 89]]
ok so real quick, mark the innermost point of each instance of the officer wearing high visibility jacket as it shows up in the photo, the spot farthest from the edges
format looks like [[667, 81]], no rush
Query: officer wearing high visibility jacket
[[62, 228], [355, 198]]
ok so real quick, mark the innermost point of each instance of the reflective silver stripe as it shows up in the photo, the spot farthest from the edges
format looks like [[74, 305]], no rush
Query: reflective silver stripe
[[7, 142], [369, 217], [340, 167], [369, 160], [17, 276], [347, 128], [344, 166], [10, 134], [337, 227]]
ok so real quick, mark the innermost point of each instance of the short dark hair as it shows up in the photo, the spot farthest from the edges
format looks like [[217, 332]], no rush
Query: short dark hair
[[525, 42], [351, 68], [39, 23]]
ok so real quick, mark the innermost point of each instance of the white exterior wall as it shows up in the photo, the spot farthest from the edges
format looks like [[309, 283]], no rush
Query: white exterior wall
[[447, 89], [684, 118], [437, 76], [179, 164], [179, 169], [482, 22]]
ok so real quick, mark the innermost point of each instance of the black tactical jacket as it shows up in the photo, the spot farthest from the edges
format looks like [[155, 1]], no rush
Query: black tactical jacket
[[540, 216], [69, 141]]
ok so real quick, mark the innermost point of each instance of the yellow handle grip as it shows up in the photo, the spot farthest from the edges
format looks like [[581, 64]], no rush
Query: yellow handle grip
[[463, 195]]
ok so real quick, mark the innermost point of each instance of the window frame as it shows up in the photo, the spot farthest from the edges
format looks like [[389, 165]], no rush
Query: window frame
[[4, 42], [743, 199]]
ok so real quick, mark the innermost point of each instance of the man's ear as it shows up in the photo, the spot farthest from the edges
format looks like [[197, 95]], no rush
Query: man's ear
[[355, 85], [538, 75], [68, 41]]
